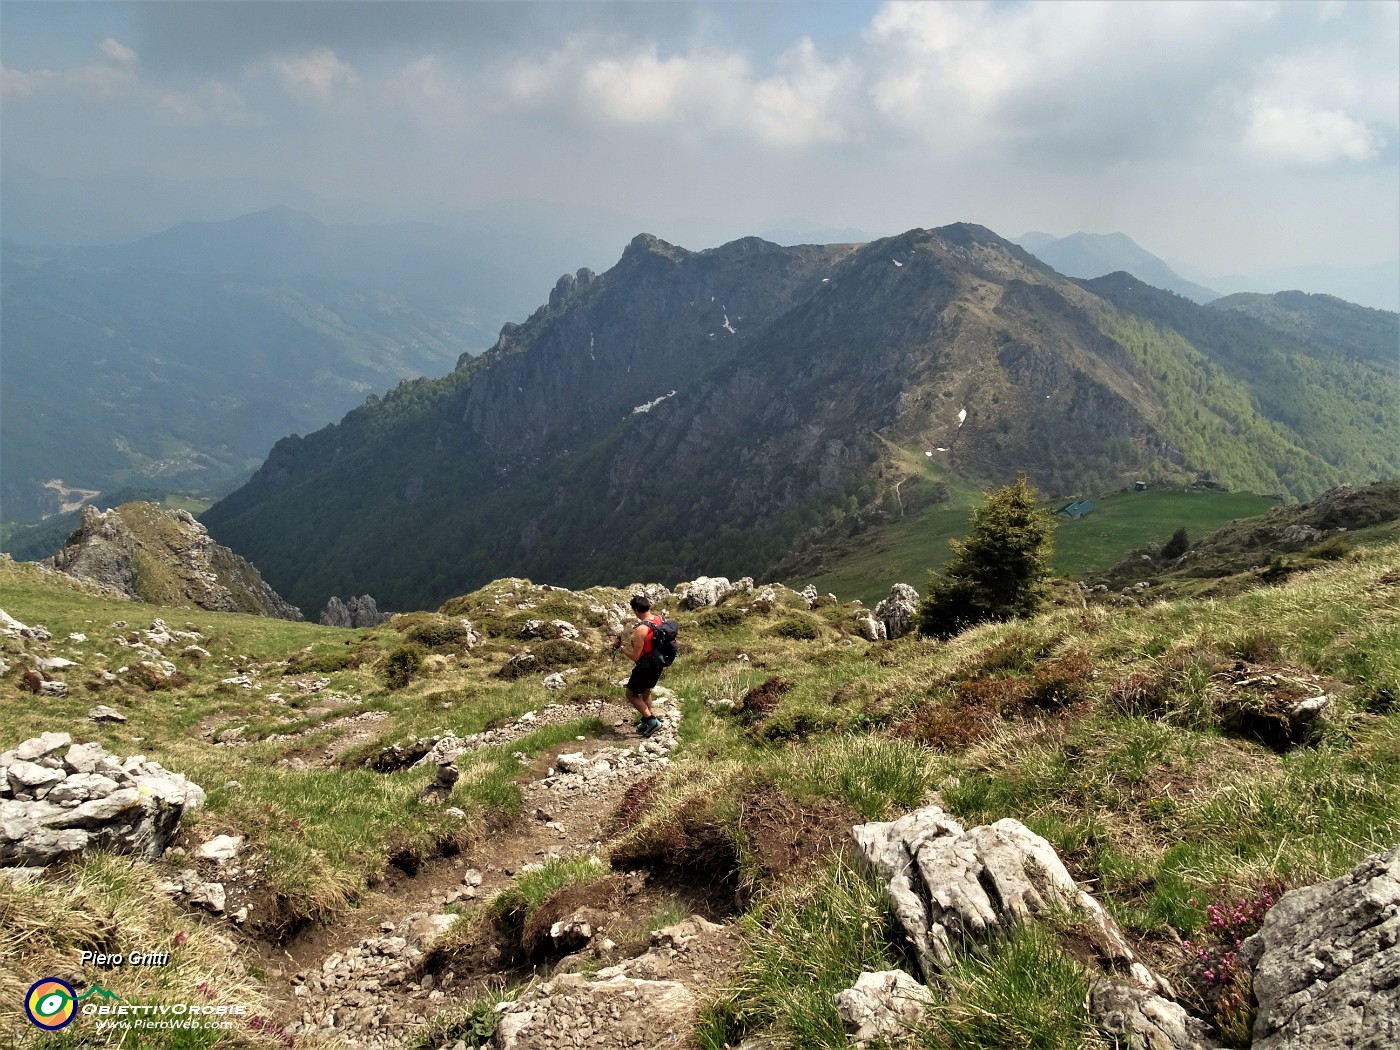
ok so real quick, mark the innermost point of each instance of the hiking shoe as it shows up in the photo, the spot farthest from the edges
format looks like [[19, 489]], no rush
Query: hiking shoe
[[647, 726]]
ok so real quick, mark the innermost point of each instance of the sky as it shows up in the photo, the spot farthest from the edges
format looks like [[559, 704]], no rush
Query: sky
[[1237, 136]]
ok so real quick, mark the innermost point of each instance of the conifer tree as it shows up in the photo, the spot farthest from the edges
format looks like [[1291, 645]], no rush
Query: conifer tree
[[998, 571], [1178, 545]]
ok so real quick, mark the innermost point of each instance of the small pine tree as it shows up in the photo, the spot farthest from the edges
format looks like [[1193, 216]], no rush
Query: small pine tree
[[998, 571], [1178, 545]]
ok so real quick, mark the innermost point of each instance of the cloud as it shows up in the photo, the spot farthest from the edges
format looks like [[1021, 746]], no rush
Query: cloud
[[644, 88], [1300, 135], [316, 73], [803, 102], [1144, 82], [118, 52]]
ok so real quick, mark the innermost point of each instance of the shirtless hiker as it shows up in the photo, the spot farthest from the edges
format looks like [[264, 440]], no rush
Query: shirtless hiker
[[648, 666]]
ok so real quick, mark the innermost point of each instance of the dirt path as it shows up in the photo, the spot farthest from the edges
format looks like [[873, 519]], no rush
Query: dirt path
[[369, 980]]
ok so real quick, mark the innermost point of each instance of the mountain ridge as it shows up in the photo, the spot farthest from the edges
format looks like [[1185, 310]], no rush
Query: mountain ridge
[[784, 389]]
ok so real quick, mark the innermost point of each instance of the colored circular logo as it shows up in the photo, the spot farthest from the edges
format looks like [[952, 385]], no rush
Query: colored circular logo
[[51, 1003]]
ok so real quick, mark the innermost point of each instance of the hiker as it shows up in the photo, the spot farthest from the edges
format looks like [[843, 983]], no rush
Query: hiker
[[648, 667]]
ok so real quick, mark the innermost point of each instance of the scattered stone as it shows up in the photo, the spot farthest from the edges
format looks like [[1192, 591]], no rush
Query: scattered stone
[[103, 713], [221, 848], [209, 895], [555, 681]]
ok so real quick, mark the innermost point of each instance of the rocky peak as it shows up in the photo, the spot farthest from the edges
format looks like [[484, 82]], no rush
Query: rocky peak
[[165, 557]]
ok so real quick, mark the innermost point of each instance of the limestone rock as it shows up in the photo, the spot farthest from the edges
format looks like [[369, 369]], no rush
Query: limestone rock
[[898, 611], [948, 885], [221, 848], [353, 612], [882, 1006], [1143, 1020], [1326, 963], [112, 548], [871, 629], [58, 807], [705, 591]]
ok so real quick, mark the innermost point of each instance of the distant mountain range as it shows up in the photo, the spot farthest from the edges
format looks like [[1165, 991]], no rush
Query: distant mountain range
[[1096, 255], [702, 411], [178, 359]]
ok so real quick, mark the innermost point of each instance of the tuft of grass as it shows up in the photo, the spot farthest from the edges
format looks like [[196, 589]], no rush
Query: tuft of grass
[[531, 888], [806, 943], [1020, 991]]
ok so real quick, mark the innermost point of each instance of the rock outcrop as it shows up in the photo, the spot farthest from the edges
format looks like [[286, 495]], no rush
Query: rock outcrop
[[899, 610], [58, 798], [707, 591], [949, 885], [353, 612], [165, 557], [1326, 963]]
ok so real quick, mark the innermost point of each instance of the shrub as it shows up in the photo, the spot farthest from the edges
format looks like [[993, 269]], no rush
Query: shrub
[[797, 628], [719, 619], [791, 725], [1062, 682], [323, 663], [439, 633], [402, 665]]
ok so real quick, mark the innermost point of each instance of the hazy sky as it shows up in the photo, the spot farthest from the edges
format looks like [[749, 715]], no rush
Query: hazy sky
[[1235, 136]]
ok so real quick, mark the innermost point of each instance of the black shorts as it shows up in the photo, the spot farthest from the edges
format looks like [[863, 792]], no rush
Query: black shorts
[[645, 675]]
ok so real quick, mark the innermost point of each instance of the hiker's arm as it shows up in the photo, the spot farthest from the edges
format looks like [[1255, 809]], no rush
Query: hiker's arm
[[633, 649]]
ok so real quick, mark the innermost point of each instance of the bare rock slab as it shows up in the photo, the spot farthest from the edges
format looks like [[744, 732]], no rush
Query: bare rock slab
[[1327, 963]]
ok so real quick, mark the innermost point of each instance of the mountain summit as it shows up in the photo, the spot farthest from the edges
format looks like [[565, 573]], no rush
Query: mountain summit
[[707, 409]]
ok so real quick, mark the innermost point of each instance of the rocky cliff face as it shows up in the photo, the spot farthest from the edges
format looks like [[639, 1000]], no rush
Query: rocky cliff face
[[163, 557]]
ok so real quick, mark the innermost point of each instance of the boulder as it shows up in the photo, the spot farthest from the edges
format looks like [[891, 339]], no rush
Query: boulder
[[1326, 963], [898, 611], [948, 885], [882, 1007], [871, 629], [87, 798]]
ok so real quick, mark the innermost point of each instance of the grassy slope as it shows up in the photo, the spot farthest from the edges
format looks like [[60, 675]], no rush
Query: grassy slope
[[903, 550], [1105, 729]]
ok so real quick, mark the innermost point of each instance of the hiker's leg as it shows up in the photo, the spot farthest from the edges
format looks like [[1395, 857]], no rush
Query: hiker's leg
[[642, 703]]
